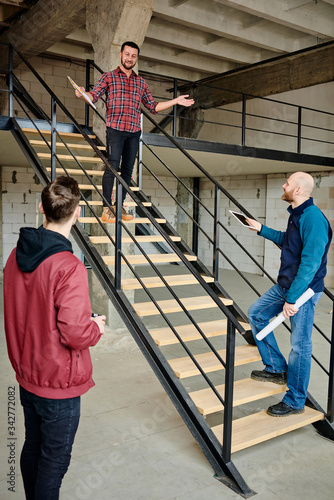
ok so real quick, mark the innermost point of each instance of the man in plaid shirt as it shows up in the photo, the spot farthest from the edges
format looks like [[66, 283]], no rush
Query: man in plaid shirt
[[125, 91]]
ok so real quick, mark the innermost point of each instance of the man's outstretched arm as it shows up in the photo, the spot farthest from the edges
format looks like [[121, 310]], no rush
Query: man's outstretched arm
[[181, 100]]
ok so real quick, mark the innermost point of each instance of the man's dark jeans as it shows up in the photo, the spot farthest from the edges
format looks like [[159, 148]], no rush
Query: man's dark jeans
[[119, 145], [50, 426]]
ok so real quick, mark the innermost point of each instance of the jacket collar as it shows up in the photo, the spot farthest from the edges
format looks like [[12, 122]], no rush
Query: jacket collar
[[300, 209]]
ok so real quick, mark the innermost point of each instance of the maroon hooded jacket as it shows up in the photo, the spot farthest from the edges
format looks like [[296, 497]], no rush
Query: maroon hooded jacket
[[47, 311]]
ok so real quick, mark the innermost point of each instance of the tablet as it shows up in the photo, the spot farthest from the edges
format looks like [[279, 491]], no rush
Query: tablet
[[241, 218]]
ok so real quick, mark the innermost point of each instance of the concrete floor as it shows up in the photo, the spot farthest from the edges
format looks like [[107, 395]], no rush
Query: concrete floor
[[132, 444]]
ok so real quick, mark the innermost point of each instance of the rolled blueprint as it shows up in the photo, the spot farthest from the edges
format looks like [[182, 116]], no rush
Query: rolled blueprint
[[280, 318]]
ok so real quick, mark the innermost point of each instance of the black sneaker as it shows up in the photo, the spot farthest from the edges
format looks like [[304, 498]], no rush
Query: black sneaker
[[283, 410], [264, 376]]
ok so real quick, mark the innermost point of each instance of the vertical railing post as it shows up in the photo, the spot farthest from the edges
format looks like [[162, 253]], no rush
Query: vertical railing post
[[53, 137], [10, 81], [299, 136], [175, 108], [216, 234], [140, 155], [87, 89], [118, 236], [243, 123], [228, 399], [330, 402], [195, 215]]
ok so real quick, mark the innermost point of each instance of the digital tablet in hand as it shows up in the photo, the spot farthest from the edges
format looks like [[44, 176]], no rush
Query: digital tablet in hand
[[241, 218]]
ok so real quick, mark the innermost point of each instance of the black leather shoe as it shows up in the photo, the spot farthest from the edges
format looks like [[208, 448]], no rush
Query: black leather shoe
[[283, 410], [264, 376]]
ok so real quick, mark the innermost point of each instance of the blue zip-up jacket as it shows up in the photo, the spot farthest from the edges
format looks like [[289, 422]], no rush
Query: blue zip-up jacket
[[305, 245]]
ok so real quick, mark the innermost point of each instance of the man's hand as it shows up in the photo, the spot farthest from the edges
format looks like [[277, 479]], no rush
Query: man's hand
[[77, 93], [256, 226], [183, 100], [100, 321], [289, 310]]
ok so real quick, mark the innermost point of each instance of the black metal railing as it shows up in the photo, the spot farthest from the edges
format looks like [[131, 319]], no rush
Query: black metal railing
[[232, 323]]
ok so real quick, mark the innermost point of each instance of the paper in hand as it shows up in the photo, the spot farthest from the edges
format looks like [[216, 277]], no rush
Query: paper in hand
[[280, 318], [84, 95]]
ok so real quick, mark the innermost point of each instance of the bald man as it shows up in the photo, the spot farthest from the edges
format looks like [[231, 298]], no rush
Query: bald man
[[305, 245]]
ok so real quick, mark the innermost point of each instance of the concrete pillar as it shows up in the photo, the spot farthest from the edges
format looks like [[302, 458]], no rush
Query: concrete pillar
[[192, 123], [109, 23]]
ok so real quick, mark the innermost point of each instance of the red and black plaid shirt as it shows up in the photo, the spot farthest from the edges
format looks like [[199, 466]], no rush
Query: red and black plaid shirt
[[123, 98]]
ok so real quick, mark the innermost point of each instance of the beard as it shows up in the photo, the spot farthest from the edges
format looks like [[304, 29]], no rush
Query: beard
[[287, 197], [128, 65]]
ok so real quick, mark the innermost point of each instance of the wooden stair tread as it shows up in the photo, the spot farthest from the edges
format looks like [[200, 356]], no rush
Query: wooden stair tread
[[62, 134], [128, 239], [260, 427], [83, 159], [156, 282], [76, 171], [135, 220], [73, 145], [171, 305], [244, 391], [140, 259], [165, 336], [91, 187], [184, 367], [125, 204]]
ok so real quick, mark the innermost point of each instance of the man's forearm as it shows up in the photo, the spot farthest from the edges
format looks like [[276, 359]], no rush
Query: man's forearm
[[161, 106], [182, 100]]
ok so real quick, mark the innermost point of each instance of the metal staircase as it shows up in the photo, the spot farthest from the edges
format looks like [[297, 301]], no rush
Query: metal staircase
[[196, 318]]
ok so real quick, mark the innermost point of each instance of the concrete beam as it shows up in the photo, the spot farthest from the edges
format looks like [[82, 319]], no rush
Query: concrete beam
[[153, 51], [173, 35], [171, 70], [71, 51], [45, 24], [313, 18], [294, 71], [223, 21]]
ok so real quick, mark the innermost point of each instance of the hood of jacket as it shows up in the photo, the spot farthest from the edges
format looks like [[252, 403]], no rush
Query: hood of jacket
[[36, 245]]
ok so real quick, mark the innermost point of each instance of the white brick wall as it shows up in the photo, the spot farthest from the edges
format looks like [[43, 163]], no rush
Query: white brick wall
[[260, 195]]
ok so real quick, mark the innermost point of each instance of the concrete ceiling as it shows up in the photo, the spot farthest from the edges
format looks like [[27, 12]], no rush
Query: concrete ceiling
[[193, 39]]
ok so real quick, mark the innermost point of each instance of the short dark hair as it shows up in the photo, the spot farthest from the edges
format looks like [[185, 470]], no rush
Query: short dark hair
[[60, 198], [130, 44]]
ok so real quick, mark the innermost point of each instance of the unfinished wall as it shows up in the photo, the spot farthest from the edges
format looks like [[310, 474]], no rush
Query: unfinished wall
[[55, 73], [261, 195]]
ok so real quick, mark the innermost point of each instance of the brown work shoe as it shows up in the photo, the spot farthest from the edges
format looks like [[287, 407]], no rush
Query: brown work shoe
[[125, 215], [107, 215]]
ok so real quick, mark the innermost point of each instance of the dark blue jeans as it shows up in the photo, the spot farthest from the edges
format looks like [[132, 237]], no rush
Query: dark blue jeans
[[119, 145], [50, 426]]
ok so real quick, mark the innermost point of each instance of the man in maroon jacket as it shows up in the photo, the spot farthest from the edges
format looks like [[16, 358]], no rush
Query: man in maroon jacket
[[49, 330]]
